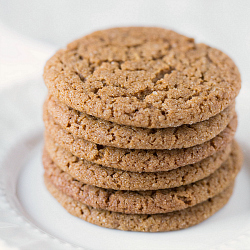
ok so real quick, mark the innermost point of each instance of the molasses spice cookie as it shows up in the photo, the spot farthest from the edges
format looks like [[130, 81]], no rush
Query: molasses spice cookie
[[110, 178], [147, 202], [112, 134], [138, 222], [136, 160], [143, 77]]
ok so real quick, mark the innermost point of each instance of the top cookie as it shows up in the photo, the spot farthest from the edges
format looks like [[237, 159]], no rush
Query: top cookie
[[143, 77]]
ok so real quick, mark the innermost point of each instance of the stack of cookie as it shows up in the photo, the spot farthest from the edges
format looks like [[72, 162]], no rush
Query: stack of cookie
[[139, 129]]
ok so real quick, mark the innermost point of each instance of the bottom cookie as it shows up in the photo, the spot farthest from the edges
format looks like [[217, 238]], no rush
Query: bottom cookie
[[145, 223]]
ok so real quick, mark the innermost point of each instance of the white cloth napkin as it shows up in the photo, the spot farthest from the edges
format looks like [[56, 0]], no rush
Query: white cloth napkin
[[21, 58]]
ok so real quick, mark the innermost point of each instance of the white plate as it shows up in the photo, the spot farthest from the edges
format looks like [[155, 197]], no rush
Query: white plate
[[30, 218]]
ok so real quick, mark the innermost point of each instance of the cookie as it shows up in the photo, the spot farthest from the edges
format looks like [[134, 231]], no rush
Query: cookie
[[143, 77], [136, 160], [111, 134], [144, 223], [146, 202], [96, 175]]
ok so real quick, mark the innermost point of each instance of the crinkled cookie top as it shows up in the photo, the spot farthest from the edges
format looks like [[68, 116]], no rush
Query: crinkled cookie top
[[143, 77]]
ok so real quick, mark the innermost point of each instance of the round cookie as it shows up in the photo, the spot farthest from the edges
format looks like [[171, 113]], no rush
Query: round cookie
[[136, 160], [143, 77], [109, 178], [146, 202], [144, 223], [111, 134]]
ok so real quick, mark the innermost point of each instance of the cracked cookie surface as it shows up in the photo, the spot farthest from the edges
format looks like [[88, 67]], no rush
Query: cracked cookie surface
[[138, 160], [146, 202], [111, 134], [143, 223], [143, 77], [109, 178]]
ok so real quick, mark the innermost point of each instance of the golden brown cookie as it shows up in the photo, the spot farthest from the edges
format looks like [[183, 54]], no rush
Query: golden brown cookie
[[144, 223], [136, 160], [146, 202], [143, 77], [111, 134], [96, 175]]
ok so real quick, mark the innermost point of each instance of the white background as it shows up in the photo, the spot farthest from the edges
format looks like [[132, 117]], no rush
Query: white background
[[32, 30]]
